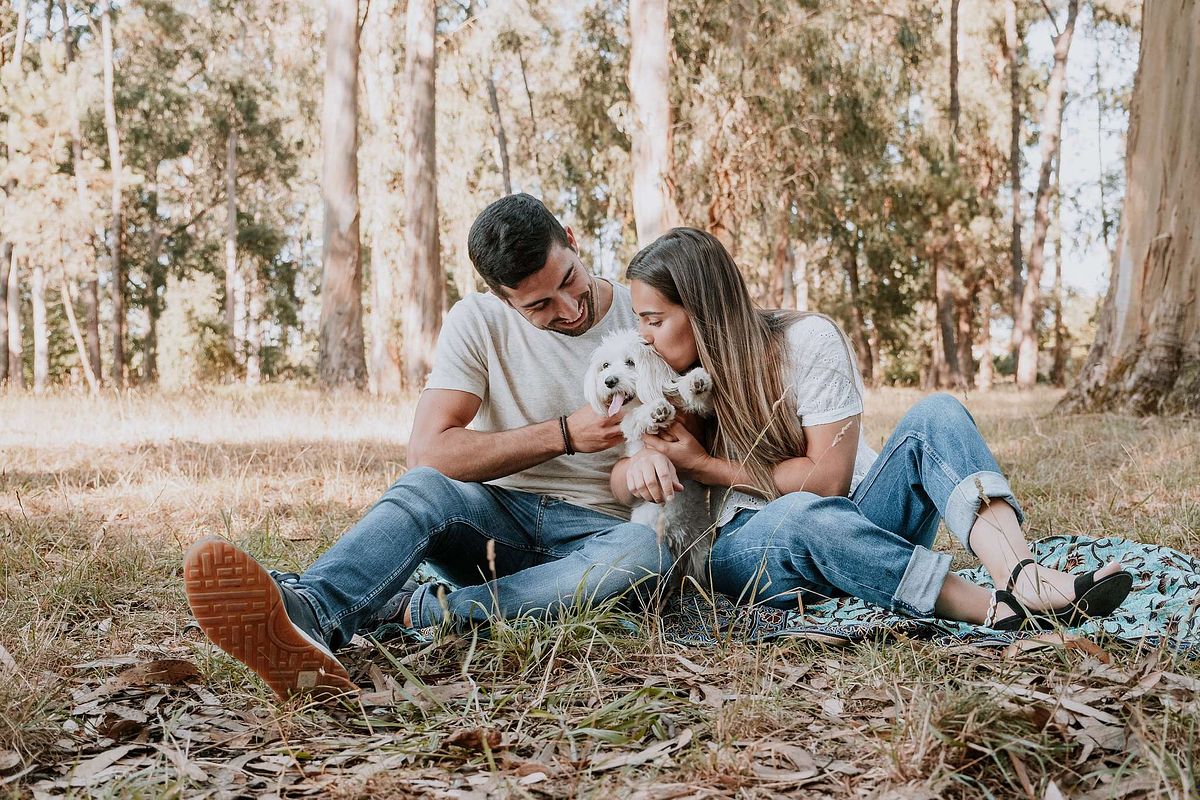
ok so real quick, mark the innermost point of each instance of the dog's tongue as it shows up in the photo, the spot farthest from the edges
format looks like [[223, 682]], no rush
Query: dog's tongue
[[615, 406]]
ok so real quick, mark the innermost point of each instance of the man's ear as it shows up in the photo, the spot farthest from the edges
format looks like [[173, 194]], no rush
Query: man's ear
[[571, 243]]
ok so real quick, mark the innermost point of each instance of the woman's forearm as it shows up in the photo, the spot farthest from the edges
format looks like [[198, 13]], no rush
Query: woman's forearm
[[618, 484], [800, 474]]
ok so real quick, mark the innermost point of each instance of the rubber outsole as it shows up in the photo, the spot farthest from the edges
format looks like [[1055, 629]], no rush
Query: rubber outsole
[[240, 609]]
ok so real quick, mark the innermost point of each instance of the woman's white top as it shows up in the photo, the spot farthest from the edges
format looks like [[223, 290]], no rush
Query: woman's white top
[[825, 387]]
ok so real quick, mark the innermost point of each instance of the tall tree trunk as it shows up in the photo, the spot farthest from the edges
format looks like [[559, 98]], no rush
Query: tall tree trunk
[[950, 374], [537, 167], [650, 92], [41, 331], [985, 377], [1051, 130], [22, 27], [858, 323], [235, 294], [954, 105], [341, 360], [156, 282], [1012, 52], [501, 137], [964, 310], [16, 366], [384, 205], [114, 157], [253, 328], [6, 250], [425, 298], [87, 271], [1058, 372], [1146, 357], [80, 347]]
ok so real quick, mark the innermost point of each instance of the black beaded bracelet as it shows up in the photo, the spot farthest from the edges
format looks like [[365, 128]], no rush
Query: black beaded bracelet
[[562, 423]]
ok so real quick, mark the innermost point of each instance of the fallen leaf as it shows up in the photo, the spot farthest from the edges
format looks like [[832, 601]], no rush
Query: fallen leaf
[[474, 739], [6, 660], [9, 759], [833, 707], [164, 671], [85, 771], [1052, 792], [632, 759]]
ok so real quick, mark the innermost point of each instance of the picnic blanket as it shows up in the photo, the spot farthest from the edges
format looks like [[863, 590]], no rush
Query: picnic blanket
[[1163, 608]]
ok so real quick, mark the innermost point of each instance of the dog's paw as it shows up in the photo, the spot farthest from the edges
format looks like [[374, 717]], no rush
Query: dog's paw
[[659, 413], [697, 383], [695, 390]]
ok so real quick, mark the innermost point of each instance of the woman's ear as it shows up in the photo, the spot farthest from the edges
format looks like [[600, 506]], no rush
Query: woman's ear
[[653, 375]]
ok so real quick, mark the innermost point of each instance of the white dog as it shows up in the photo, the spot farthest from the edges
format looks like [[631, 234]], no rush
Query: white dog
[[626, 372]]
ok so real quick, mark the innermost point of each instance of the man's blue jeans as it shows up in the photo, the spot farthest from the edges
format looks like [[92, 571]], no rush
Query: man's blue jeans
[[875, 544], [547, 554]]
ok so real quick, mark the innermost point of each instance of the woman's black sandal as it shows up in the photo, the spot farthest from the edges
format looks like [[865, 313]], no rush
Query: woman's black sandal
[[1093, 598]]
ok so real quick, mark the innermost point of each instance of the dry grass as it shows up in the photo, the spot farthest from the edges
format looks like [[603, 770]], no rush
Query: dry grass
[[99, 497]]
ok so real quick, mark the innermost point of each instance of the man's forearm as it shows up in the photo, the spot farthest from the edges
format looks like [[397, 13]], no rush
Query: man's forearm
[[468, 455]]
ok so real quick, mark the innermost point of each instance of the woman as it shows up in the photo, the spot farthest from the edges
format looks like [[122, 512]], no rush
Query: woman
[[807, 505]]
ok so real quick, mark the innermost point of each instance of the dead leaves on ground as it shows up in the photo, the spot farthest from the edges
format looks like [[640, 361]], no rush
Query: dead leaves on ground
[[715, 727]]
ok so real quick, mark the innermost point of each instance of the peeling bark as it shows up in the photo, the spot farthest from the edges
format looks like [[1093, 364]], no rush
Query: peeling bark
[[341, 360], [650, 93], [1146, 356], [426, 296]]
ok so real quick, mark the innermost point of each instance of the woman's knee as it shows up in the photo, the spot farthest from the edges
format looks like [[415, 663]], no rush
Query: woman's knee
[[938, 409]]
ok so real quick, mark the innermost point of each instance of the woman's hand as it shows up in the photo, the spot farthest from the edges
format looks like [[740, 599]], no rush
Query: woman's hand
[[651, 476], [683, 449]]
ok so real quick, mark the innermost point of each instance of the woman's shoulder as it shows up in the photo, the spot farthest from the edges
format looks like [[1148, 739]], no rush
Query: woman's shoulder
[[813, 332]]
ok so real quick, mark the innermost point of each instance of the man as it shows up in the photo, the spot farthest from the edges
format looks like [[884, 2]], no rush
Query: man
[[516, 508]]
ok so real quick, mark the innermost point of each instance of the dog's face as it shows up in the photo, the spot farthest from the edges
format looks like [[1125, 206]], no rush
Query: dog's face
[[612, 372], [622, 368]]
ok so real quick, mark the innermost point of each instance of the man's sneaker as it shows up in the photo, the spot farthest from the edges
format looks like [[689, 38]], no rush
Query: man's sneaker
[[268, 627]]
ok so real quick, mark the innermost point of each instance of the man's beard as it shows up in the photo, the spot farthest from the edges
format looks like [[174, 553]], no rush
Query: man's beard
[[589, 315]]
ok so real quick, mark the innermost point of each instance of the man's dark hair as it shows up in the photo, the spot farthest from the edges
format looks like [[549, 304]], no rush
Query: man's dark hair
[[511, 239]]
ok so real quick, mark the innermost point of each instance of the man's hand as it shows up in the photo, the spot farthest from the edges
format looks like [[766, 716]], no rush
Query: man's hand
[[651, 476], [682, 448], [591, 432]]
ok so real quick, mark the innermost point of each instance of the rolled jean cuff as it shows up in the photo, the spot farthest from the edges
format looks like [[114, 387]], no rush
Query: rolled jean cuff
[[922, 582], [967, 497], [425, 607]]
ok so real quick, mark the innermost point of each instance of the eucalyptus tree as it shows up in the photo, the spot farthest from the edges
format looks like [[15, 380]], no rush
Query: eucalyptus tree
[[1145, 358]]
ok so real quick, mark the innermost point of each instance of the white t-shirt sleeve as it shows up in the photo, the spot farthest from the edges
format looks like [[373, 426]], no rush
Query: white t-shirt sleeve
[[826, 384], [460, 361]]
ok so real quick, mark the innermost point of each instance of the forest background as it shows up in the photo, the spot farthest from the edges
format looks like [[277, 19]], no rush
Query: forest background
[[935, 177]]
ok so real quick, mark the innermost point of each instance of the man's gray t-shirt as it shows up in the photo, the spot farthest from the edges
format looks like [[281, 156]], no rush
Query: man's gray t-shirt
[[523, 376]]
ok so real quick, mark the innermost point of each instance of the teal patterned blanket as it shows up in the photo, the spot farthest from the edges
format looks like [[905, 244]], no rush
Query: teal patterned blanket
[[1162, 609]]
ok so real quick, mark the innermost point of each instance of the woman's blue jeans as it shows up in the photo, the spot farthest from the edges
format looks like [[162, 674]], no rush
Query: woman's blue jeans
[[875, 544], [515, 553]]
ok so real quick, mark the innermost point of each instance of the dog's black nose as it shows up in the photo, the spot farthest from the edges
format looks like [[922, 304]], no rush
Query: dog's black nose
[[611, 381]]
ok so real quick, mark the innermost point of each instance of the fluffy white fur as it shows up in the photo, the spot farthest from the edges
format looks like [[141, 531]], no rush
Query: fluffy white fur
[[623, 365]]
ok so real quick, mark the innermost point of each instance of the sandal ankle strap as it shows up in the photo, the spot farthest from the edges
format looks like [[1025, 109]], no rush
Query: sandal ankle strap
[[1012, 579]]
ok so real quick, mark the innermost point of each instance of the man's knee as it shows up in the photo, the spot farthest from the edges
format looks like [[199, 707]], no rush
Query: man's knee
[[637, 547], [425, 480]]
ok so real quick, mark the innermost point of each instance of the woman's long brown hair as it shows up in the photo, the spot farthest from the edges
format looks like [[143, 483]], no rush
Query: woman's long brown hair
[[743, 347]]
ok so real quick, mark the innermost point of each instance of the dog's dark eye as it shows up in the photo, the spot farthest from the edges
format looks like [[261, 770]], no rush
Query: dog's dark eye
[[629, 362], [604, 365]]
